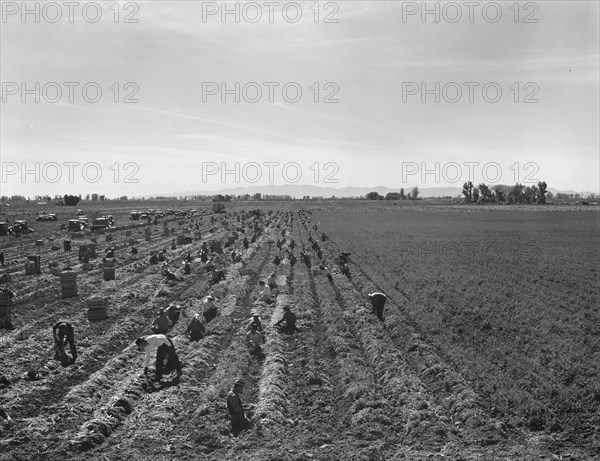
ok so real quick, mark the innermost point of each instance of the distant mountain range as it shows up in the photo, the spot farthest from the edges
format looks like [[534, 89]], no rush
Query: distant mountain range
[[299, 191]]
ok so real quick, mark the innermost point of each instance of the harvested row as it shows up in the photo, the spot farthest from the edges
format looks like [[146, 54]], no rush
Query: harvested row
[[210, 366], [124, 332], [48, 288], [271, 408]]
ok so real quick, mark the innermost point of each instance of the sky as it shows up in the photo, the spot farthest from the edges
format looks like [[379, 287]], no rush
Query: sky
[[146, 98]]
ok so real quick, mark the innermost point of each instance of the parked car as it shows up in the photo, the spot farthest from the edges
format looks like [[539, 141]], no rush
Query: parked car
[[46, 217], [76, 225], [23, 227]]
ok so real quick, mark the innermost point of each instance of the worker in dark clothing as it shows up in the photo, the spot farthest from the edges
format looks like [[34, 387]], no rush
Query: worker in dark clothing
[[2, 258], [378, 301], [63, 335], [134, 251], [209, 310], [195, 328], [236, 408], [256, 320], [245, 243], [290, 321], [173, 312], [161, 324]]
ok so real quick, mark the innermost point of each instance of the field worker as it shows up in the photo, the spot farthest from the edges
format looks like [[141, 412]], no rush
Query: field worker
[[265, 294], [345, 269], [378, 301], [173, 312], [209, 310], [236, 408], [5, 415], [272, 281], [254, 341], [63, 335], [277, 261], [164, 350], [134, 251], [290, 321], [161, 323], [2, 258], [245, 243], [256, 320], [325, 270], [195, 328], [187, 269]]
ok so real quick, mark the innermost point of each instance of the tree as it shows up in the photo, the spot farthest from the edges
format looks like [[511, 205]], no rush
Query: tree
[[87, 197], [70, 200], [529, 194], [468, 191], [542, 192], [102, 197], [392, 196], [257, 196], [501, 193], [476, 195], [373, 196], [123, 197], [414, 193], [94, 197], [402, 196], [486, 193], [516, 194]]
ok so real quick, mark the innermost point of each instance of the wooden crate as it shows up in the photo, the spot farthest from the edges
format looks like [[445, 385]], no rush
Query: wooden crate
[[97, 308], [68, 283]]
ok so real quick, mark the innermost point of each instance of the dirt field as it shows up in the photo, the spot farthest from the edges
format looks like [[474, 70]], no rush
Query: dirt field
[[488, 349]]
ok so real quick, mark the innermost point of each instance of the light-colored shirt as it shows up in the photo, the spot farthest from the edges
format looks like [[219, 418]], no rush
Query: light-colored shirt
[[266, 292], [154, 341], [254, 336]]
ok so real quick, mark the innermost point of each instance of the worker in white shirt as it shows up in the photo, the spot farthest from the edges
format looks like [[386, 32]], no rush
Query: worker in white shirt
[[254, 341], [265, 294], [164, 349]]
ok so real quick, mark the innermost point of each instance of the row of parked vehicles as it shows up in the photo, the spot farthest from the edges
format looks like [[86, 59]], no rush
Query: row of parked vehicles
[[97, 223], [158, 213]]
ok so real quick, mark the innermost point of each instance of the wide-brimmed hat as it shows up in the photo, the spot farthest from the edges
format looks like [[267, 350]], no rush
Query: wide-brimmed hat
[[239, 382], [210, 297], [286, 308]]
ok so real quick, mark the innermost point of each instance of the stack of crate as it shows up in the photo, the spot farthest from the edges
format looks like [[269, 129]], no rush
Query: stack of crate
[[92, 253], [68, 283], [5, 308], [109, 269], [33, 266], [97, 308]]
